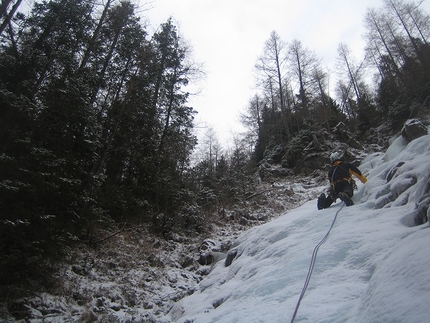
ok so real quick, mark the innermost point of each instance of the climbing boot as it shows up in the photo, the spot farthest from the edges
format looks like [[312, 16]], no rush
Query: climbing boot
[[321, 201], [344, 197]]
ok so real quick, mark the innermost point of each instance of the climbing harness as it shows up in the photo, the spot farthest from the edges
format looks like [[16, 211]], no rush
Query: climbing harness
[[312, 264]]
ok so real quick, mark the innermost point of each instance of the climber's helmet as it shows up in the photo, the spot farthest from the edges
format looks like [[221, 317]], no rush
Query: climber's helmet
[[335, 157]]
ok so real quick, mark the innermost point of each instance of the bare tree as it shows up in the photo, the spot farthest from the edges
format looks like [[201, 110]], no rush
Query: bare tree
[[354, 90], [210, 149], [271, 65], [397, 9], [419, 19], [272, 68], [347, 67], [321, 79], [404, 15], [252, 118], [302, 64], [378, 41], [344, 93]]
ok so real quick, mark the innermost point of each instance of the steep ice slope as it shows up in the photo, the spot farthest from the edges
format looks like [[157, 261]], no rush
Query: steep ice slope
[[374, 267]]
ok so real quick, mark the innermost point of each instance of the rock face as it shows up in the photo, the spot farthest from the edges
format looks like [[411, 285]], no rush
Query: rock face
[[207, 248], [413, 129], [343, 134], [309, 150], [230, 257]]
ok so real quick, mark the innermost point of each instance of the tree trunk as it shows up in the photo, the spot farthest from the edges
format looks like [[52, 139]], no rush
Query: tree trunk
[[95, 35], [7, 16]]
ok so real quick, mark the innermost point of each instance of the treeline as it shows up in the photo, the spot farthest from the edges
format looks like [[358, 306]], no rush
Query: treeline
[[294, 86], [94, 129]]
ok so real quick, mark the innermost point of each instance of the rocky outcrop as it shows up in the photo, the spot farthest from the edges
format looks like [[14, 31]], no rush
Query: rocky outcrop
[[230, 257], [413, 129], [342, 133]]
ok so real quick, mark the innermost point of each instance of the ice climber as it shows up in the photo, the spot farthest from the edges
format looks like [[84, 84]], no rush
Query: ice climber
[[341, 182]]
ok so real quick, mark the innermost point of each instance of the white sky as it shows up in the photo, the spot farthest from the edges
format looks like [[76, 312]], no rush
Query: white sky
[[227, 36]]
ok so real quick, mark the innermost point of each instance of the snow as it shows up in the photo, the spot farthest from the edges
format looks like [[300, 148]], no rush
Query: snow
[[395, 148], [372, 268]]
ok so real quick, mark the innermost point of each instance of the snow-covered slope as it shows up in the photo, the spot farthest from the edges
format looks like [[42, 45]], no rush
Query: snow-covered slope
[[374, 266]]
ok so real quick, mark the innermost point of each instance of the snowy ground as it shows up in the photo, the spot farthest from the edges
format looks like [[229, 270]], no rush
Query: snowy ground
[[135, 276], [374, 266]]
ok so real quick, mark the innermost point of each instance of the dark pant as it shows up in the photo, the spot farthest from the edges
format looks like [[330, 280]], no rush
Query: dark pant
[[341, 186], [345, 187]]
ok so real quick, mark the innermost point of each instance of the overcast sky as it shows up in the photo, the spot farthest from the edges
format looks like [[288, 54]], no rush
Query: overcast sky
[[227, 36]]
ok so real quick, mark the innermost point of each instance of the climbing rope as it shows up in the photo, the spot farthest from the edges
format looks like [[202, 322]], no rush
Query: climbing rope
[[312, 264]]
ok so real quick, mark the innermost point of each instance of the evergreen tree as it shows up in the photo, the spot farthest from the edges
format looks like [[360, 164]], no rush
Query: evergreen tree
[[95, 127]]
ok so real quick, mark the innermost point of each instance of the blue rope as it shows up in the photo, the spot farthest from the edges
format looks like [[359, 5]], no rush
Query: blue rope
[[312, 264]]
